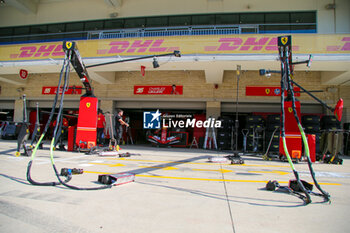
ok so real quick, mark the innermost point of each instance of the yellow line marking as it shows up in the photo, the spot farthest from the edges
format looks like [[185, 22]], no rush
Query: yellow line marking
[[163, 168], [205, 179], [117, 165], [213, 170], [208, 163], [275, 172], [263, 165], [102, 173], [201, 179], [109, 164]]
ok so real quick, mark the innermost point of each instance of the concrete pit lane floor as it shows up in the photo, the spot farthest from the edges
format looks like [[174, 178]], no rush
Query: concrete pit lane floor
[[175, 190]]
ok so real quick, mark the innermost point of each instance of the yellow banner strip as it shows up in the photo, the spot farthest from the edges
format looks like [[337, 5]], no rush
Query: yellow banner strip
[[210, 44]]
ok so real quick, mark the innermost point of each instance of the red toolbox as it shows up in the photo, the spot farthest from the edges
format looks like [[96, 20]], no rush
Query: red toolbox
[[311, 140], [294, 145]]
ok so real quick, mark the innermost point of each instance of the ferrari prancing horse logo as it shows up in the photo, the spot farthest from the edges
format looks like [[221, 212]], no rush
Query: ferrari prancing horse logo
[[290, 109], [284, 40], [267, 91], [68, 45], [88, 104]]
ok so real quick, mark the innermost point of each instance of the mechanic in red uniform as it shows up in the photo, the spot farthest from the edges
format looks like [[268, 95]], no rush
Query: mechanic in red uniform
[[101, 124]]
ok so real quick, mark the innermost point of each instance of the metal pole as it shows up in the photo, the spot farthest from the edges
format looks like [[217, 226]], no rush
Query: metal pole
[[314, 97], [236, 122], [175, 53], [24, 108]]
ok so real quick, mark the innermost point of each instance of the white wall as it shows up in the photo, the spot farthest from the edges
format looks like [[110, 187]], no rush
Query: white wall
[[342, 16], [76, 10], [52, 12]]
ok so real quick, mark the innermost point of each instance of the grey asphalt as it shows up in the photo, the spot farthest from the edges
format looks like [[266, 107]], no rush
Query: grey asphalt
[[175, 190]]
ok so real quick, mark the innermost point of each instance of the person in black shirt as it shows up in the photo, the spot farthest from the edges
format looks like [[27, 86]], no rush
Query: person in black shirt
[[119, 125]]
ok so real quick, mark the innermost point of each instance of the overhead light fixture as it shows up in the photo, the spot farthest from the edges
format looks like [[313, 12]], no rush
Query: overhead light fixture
[[330, 6], [155, 63], [262, 72], [113, 15], [238, 71], [268, 73]]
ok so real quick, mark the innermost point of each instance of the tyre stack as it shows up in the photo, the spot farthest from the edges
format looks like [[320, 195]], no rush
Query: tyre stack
[[312, 125], [330, 123], [273, 122], [224, 134], [255, 123]]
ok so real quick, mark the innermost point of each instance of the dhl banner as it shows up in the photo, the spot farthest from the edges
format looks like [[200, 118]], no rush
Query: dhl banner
[[213, 44], [267, 91]]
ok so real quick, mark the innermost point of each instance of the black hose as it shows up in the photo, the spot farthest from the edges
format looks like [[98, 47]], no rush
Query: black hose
[[301, 185], [59, 132], [284, 75], [78, 188], [324, 193], [30, 180], [58, 122], [33, 182]]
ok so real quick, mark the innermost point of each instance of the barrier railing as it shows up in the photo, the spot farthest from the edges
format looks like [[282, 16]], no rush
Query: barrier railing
[[164, 31], [175, 31]]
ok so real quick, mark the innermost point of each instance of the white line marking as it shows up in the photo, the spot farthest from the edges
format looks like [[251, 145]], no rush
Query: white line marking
[[65, 159]]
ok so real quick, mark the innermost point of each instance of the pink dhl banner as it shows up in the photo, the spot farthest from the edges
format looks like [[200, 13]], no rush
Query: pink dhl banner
[[218, 44]]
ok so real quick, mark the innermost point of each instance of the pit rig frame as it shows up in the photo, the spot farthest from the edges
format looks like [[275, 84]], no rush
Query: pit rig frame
[[297, 186], [87, 120]]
